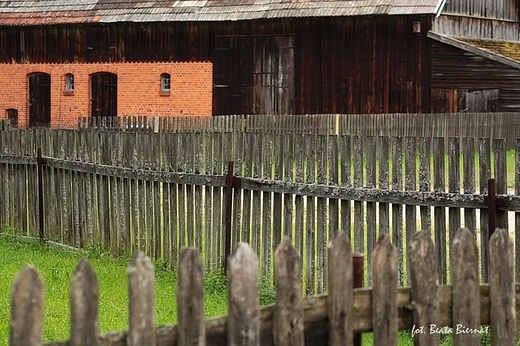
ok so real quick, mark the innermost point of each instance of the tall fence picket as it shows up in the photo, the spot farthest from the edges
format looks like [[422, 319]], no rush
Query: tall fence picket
[[423, 279], [502, 289], [517, 214], [339, 302], [27, 295], [384, 298], [288, 314], [141, 297], [190, 299], [244, 310], [84, 306], [397, 209], [485, 173], [466, 292], [501, 178]]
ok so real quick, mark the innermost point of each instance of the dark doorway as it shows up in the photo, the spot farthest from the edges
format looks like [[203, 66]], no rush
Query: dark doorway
[[233, 76], [39, 100], [12, 115], [104, 94], [253, 75]]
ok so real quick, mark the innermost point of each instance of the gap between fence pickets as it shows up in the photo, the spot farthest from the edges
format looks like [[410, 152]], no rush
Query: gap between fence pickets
[[426, 308]]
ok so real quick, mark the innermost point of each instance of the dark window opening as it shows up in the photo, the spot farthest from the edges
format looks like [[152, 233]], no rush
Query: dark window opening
[[12, 115]]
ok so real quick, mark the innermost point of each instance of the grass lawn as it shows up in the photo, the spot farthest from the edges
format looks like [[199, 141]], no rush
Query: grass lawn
[[56, 267]]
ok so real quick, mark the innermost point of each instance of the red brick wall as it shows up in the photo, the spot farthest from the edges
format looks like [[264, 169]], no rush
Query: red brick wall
[[138, 90]]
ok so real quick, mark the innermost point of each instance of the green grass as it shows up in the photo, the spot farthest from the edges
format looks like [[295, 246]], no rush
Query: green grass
[[56, 266], [404, 338]]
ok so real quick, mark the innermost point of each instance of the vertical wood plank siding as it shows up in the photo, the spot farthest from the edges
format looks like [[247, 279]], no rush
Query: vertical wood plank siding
[[145, 191], [453, 68], [479, 18], [331, 74]]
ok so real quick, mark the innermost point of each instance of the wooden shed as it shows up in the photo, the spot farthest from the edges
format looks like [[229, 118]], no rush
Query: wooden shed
[[67, 58]]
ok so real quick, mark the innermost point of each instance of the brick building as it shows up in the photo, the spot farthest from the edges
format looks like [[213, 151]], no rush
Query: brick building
[[140, 88]]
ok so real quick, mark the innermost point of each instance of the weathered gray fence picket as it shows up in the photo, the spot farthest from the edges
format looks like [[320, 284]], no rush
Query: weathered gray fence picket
[[5, 124], [474, 125], [160, 192], [463, 309]]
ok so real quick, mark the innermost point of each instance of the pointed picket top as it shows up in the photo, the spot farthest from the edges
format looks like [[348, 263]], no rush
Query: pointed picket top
[[465, 287], [288, 315], [244, 309], [27, 295], [190, 299], [141, 297], [423, 279], [384, 296], [502, 289], [340, 297], [84, 306]]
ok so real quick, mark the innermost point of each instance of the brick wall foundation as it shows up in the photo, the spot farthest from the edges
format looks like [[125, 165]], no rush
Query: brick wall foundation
[[138, 90]]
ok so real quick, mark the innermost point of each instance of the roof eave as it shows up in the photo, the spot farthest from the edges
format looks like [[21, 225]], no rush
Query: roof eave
[[475, 50]]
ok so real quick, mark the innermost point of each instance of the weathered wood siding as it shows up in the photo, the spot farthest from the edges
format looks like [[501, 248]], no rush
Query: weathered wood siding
[[456, 69], [369, 64], [496, 19]]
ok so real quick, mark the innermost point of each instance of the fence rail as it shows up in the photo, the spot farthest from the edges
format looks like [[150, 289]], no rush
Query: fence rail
[[159, 192], [465, 309]]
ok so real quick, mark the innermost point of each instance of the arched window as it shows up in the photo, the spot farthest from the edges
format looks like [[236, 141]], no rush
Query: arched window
[[165, 82], [69, 82]]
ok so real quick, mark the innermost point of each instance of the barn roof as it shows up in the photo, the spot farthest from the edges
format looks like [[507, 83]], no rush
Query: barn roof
[[39, 12], [505, 52]]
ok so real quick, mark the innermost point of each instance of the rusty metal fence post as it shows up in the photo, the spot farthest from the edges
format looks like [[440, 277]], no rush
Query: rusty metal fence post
[[358, 262], [232, 182], [493, 202]]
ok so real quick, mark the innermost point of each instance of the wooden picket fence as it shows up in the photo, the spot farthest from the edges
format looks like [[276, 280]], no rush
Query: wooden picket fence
[[5, 124], [463, 309], [475, 125], [160, 192]]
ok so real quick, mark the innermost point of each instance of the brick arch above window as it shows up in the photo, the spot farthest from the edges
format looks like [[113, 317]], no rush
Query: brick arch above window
[[32, 69], [102, 69]]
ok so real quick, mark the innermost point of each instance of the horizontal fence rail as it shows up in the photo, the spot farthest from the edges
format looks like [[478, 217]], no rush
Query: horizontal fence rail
[[466, 309], [159, 192]]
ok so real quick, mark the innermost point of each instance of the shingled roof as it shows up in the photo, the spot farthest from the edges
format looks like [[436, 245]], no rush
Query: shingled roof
[[28, 12], [504, 52]]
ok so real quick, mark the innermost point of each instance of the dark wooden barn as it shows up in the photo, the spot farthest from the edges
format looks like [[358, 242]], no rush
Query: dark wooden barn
[[280, 57]]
